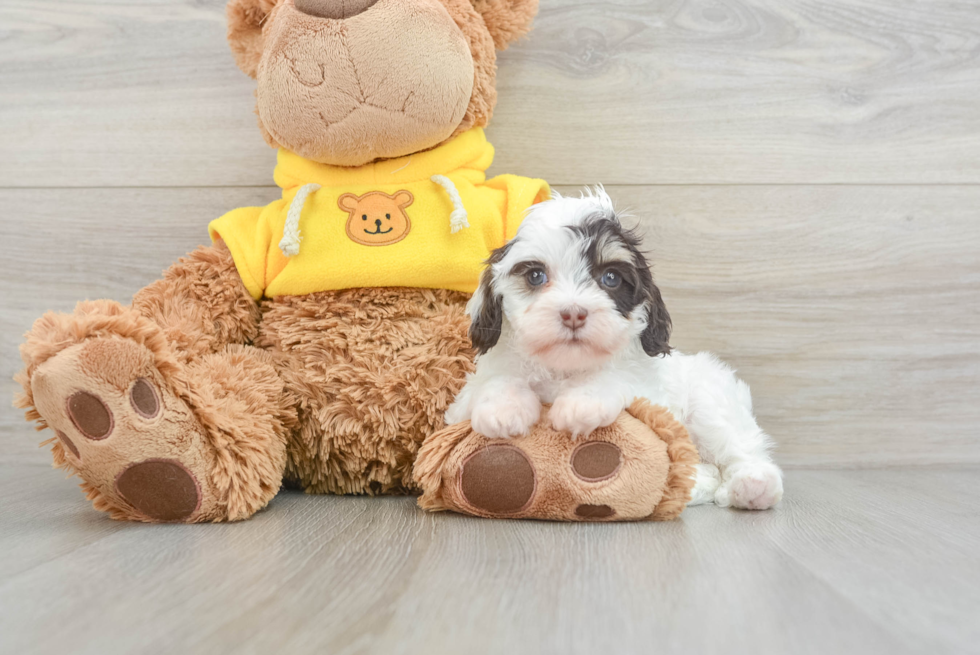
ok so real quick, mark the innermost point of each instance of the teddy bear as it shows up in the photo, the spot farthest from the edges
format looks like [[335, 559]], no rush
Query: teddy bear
[[317, 342], [319, 339]]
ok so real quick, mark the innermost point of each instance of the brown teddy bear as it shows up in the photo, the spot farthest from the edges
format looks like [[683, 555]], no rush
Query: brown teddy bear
[[319, 340]]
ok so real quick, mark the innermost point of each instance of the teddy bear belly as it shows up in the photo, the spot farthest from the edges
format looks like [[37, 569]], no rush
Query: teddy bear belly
[[372, 372]]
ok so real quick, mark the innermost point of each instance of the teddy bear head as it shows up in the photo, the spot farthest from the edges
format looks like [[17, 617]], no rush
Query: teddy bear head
[[347, 82]]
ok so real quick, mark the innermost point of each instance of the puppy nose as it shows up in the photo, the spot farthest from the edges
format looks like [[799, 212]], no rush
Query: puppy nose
[[574, 317], [334, 8], [377, 222]]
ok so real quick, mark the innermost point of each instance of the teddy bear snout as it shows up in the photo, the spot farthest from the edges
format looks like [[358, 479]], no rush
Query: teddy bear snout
[[335, 9]]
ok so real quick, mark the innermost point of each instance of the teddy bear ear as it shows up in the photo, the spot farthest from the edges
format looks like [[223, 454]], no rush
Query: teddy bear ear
[[245, 21], [507, 20]]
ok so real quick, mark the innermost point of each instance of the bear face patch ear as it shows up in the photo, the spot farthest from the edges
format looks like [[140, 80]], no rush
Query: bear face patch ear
[[347, 202], [245, 21], [507, 20], [403, 199]]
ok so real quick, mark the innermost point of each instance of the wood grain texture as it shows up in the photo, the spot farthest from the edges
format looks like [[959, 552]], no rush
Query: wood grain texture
[[104, 93], [852, 562], [853, 312]]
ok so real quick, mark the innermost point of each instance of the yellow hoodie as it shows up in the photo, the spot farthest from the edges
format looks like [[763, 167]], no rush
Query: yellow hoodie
[[425, 220]]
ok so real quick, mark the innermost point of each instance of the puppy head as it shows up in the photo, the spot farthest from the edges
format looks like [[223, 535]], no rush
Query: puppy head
[[573, 286]]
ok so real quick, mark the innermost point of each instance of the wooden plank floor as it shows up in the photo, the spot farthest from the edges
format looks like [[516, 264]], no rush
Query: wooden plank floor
[[806, 174], [880, 561]]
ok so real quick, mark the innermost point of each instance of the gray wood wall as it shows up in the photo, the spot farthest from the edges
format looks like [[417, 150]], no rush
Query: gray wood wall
[[807, 174]]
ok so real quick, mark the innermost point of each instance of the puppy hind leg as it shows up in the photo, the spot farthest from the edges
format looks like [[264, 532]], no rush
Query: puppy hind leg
[[750, 485], [749, 477], [727, 434]]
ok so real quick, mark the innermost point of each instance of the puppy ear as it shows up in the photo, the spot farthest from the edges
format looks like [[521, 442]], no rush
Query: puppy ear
[[507, 20], [486, 310], [655, 338], [245, 21]]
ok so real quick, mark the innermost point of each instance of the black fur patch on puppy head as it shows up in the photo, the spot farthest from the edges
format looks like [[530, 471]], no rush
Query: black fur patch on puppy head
[[605, 241], [488, 314]]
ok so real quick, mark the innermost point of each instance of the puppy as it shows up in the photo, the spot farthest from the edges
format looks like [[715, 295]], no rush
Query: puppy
[[567, 314]]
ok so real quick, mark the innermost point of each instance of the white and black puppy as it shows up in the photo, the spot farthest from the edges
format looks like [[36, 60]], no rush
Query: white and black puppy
[[567, 314]]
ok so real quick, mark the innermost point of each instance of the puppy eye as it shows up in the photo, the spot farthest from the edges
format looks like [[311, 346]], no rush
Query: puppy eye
[[388, 216], [610, 279], [536, 277], [364, 217]]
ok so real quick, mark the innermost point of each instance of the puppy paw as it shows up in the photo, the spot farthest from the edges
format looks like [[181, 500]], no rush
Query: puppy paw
[[581, 414], [752, 485], [512, 413]]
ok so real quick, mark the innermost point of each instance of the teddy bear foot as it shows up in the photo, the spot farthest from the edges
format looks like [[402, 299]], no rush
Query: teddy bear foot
[[155, 435], [138, 447], [639, 468]]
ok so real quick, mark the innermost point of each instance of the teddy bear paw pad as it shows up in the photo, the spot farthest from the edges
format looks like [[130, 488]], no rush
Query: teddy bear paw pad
[[595, 461], [498, 479], [160, 489], [590, 512], [90, 415]]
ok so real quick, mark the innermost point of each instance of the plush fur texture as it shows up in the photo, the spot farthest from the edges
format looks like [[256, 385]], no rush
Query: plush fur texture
[[201, 304], [245, 21], [567, 314], [507, 21], [374, 371], [651, 481]]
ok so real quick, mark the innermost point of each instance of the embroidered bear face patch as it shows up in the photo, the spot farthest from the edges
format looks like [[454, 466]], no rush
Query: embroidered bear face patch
[[376, 218]]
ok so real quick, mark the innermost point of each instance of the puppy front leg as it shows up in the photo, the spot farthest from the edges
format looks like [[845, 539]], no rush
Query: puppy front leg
[[582, 409], [502, 406]]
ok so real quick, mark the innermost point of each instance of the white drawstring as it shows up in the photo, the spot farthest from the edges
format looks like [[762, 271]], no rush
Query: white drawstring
[[289, 245], [459, 218]]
